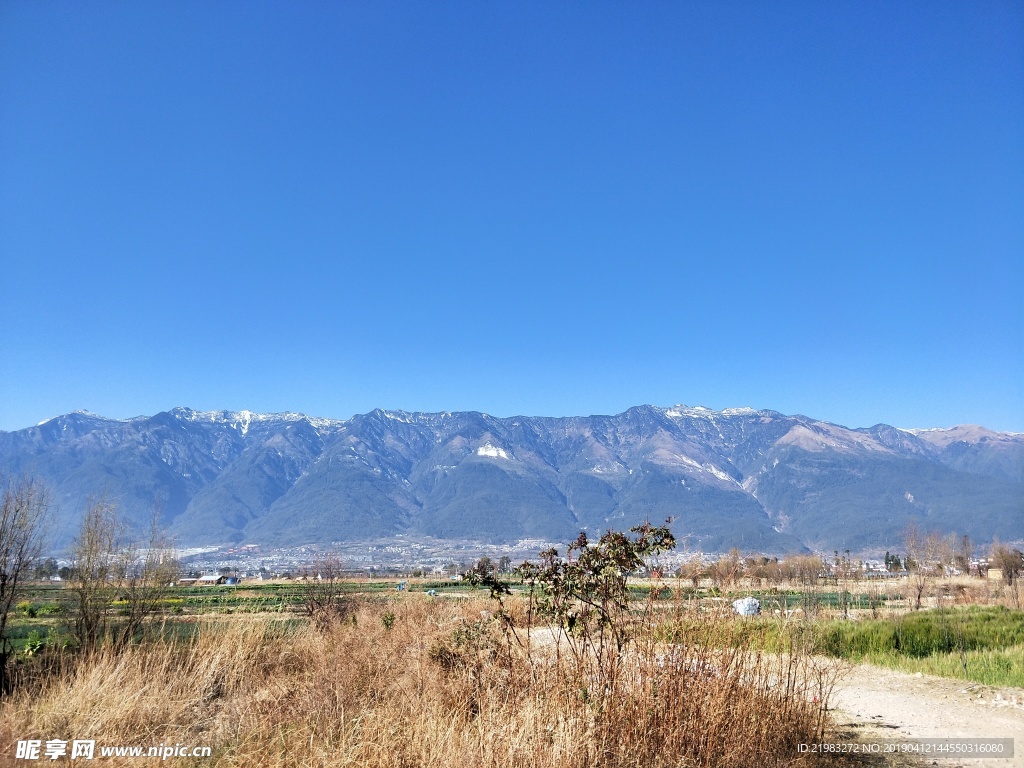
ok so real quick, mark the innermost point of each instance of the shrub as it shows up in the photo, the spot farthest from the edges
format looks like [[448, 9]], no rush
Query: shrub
[[34, 643]]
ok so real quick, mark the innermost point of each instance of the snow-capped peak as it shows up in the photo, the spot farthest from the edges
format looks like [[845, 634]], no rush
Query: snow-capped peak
[[81, 412], [703, 412], [243, 420]]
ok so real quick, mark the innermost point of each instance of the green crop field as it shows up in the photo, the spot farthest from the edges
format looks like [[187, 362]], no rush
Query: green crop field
[[984, 644]]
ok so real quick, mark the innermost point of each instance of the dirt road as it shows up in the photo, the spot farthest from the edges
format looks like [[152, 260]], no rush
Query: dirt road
[[880, 704]]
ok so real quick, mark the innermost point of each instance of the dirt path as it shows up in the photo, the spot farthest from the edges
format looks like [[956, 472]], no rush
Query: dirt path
[[876, 703]]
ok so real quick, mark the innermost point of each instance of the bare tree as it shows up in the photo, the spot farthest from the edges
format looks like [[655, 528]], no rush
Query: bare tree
[[927, 556], [964, 554], [144, 576], [323, 598], [1010, 562], [693, 569], [106, 567], [94, 573], [802, 569], [24, 507], [728, 570]]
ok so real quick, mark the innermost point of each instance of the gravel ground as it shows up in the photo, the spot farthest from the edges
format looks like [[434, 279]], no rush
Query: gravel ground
[[876, 703]]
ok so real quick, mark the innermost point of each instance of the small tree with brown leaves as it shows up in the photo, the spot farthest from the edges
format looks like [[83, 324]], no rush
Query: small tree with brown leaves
[[586, 594]]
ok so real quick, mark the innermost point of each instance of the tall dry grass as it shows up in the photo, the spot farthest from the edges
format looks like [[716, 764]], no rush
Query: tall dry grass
[[442, 686]]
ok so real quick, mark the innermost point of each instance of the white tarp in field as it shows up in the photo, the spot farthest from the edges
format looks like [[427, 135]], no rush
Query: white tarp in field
[[747, 606]]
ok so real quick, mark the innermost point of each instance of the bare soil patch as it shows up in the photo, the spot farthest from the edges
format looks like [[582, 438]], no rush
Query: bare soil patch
[[874, 703]]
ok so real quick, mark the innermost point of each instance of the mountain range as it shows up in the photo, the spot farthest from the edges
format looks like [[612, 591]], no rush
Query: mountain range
[[754, 479]]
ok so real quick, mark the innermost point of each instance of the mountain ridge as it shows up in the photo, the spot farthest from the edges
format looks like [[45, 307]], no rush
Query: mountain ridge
[[757, 479]]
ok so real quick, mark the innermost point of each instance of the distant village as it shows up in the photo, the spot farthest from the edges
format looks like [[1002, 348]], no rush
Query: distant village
[[400, 557]]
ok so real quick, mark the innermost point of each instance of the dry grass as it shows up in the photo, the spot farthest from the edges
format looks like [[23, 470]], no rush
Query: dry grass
[[443, 686]]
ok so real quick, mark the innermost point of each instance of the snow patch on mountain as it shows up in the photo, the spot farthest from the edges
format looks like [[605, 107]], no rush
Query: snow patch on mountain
[[245, 419], [718, 473], [607, 469], [491, 451], [688, 461], [703, 412]]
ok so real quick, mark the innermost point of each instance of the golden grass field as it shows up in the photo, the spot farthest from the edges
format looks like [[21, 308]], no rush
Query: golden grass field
[[430, 682]]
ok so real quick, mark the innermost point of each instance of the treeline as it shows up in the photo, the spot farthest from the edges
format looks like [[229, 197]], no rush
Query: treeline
[[925, 556]]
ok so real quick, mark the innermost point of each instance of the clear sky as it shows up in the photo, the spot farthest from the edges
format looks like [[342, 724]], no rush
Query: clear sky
[[543, 208]]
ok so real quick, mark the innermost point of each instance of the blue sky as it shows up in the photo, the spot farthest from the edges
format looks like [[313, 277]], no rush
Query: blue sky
[[530, 208]]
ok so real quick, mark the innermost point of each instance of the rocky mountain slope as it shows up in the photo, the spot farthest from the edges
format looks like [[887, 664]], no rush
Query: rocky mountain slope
[[758, 480]]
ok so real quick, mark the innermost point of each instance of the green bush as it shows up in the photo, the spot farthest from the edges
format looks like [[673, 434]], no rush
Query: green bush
[[34, 643], [50, 609]]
